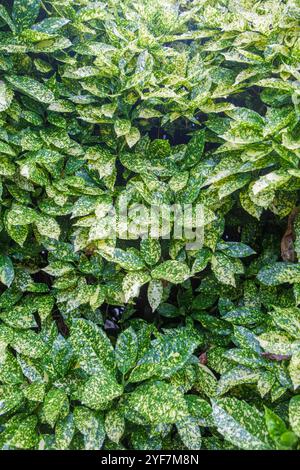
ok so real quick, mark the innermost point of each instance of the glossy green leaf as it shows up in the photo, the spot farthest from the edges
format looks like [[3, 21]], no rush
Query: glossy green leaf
[[294, 414], [31, 87], [7, 272], [114, 425], [55, 405], [25, 12], [126, 350], [157, 403], [172, 271]]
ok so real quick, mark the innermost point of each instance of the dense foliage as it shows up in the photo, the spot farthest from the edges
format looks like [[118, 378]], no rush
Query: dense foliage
[[144, 344]]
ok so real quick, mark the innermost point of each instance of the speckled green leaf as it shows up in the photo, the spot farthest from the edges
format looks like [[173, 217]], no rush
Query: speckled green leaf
[[91, 426], [244, 316], [294, 414], [47, 226], [201, 260], [114, 425], [150, 250], [249, 205], [100, 389], [21, 215], [122, 127], [155, 293], [200, 409], [35, 392], [56, 405], [25, 12], [241, 424], [236, 376], [128, 260], [6, 18], [179, 181], [132, 283], [64, 432], [91, 346], [125, 107], [84, 419], [156, 403], [18, 233], [206, 382], [172, 271], [294, 369], [166, 355], [141, 440], [132, 137], [271, 181], [11, 398], [19, 317], [275, 424], [6, 96], [30, 87], [10, 371], [189, 432], [276, 343], [223, 268], [7, 272], [288, 319], [29, 343], [279, 273], [194, 149], [25, 436]]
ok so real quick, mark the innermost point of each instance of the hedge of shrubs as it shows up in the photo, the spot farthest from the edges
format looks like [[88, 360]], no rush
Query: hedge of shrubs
[[145, 343]]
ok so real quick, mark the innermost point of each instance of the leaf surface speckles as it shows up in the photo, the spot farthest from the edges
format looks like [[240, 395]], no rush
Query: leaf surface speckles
[[31, 87]]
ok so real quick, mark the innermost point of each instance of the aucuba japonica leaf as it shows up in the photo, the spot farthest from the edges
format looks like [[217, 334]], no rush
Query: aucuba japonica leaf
[[149, 225]]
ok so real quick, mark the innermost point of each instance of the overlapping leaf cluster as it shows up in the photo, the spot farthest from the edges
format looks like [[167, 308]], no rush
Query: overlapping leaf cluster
[[173, 102]]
